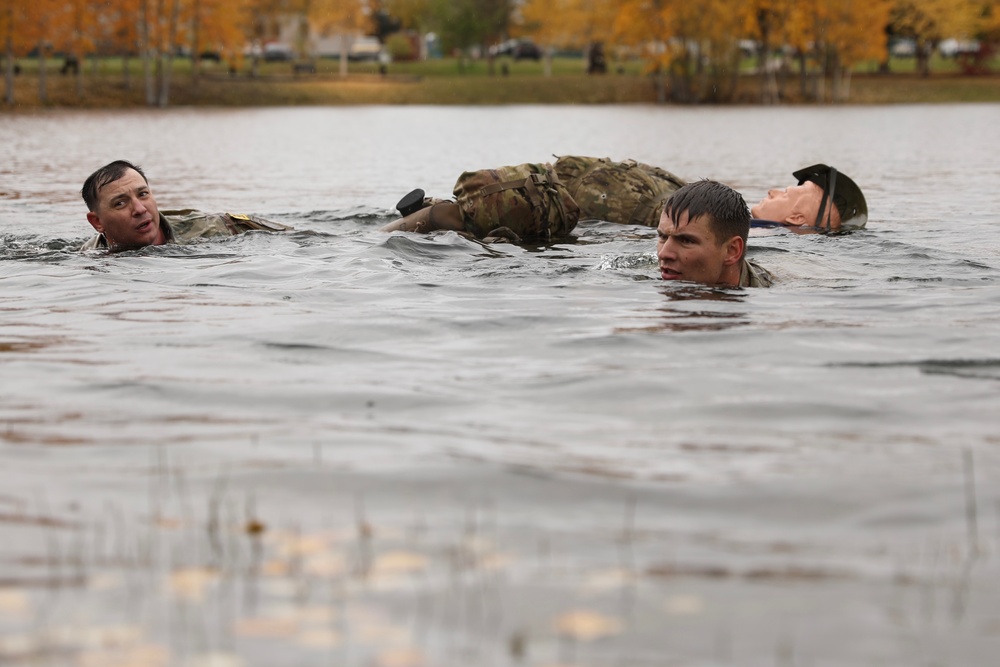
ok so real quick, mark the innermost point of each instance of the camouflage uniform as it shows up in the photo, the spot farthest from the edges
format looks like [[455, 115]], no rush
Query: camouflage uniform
[[527, 202], [626, 192], [188, 225], [754, 275]]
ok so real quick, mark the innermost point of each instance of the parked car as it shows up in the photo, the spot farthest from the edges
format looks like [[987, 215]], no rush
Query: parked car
[[518, 49], [365, 48], [277, 52]]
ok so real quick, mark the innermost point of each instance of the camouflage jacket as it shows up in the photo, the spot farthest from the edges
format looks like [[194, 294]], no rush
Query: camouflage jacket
[[754, 275], [188, 225], [626, 192]]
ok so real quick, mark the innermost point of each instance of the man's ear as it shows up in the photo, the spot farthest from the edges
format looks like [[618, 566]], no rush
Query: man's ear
[[734, 251], [95, 222], [797, 218]]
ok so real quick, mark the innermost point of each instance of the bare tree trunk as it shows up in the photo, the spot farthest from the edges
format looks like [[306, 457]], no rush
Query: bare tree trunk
[[8, 73], [835, 74], [803, 75], [79, 73], [175, 11], [126, 74], [146, 51], [77, 50], [923, 60], [8, 70], [343, 54], [547, 60], [196, 44], [43, 90]]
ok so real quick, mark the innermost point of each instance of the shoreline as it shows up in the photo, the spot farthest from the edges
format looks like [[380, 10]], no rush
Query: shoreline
[[109, 91]]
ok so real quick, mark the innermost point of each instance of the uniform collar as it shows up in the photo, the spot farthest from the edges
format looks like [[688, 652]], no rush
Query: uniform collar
[[168, 234]]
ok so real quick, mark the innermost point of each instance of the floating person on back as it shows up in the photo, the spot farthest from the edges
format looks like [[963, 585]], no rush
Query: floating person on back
[[124, 212], [631, 192], [823, 199], [525, 203], [517, 203]]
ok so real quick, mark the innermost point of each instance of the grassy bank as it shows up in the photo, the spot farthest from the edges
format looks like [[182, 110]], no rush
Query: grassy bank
[[104, 85]]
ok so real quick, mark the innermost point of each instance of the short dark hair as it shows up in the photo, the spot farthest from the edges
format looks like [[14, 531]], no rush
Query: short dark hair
[[726, 209], [109, 173]]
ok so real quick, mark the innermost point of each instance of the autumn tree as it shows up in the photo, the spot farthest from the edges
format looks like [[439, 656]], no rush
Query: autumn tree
[[8, 29], [333, 17], [927, 22], [987, 31], [38, 21], [415, 15], [647, 26], [468, 23], [220, 26], [767, 24], [567, 24], [72, 32], [696, 45]]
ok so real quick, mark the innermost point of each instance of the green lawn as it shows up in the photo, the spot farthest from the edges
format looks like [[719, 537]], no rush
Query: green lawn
[[447, 81]]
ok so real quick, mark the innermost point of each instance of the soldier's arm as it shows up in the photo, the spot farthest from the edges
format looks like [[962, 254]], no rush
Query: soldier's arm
[[446, 215]]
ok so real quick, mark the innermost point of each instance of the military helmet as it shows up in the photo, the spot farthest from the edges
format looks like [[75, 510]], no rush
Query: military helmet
[[840, 191], [411, 202]]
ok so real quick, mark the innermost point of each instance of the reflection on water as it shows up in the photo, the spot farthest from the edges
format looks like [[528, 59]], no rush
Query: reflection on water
[[695, 319], [340, 447]]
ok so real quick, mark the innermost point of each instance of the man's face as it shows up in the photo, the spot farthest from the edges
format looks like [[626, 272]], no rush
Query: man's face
[[126, 213], [795, 205], [690, 251]]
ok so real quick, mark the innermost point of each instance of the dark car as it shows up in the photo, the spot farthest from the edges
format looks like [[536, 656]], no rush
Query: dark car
[[518, 49], [526, 50]]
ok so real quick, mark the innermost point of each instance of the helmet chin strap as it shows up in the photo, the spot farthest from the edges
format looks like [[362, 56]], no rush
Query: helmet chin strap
[[828, 193]]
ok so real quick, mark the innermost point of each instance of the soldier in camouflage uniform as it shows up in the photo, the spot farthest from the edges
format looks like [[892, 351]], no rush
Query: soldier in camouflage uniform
[[124, 213], [627, 192], [824, 199], [631, 192], [702, 238], [525, 203]]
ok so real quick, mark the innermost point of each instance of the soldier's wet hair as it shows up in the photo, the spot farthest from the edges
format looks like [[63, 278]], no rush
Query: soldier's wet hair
[[109, 173], [727, 211]]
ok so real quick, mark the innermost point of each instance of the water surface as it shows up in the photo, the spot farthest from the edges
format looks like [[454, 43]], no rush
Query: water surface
[[338, 446]]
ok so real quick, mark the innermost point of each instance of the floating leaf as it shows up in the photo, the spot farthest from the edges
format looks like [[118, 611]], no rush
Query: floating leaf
[[587, 625], [398, 562], [409, 657], [685, 605], [318, 638], [325, 565], [190, 584], [14, 602], [146, 655], [216, 660], [267, 628]]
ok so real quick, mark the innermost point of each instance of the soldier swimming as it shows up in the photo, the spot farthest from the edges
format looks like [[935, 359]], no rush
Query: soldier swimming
[[628, 192], [125, 215], [702, 237]]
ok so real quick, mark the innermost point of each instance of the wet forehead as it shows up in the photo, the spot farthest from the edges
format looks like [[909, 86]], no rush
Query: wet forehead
[[685, 225], [129, 183]]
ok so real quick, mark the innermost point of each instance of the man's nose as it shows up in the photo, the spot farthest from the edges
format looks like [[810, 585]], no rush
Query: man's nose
[[138, 208], [664, 250]]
